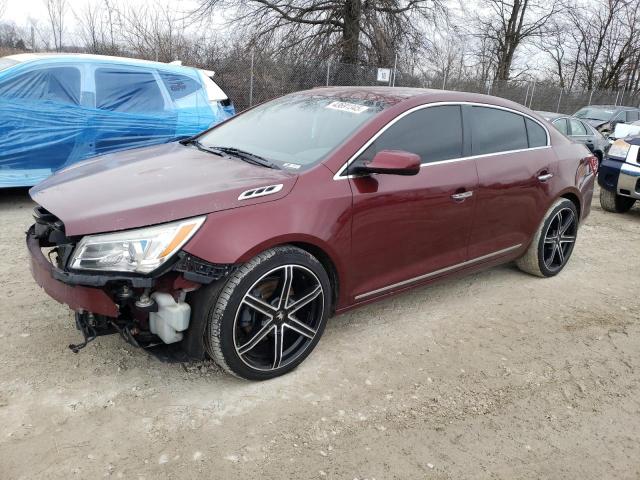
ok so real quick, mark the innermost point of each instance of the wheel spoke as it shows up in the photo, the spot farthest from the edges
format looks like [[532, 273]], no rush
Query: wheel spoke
[[550, 239], [309, 297], [278, 343], [286, 286], [560, 254], [257, 338], [259, 305], [552, 255], [564, 226], [567, 239], [303, 329]]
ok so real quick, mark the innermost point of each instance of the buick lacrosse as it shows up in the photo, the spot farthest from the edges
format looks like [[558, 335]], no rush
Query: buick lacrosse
[[240, 243]]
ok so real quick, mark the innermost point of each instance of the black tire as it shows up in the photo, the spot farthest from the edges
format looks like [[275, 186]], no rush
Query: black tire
[[612, 202], [543, 258], [239, 314]]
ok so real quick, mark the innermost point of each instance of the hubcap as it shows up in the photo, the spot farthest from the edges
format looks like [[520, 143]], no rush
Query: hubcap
[[278, 317], [559, 239]]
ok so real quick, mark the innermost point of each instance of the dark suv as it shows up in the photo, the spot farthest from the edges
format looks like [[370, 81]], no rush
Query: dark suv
[[605, 117]]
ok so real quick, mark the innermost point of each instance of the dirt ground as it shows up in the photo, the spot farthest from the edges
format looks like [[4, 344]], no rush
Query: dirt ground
[[496, 375]]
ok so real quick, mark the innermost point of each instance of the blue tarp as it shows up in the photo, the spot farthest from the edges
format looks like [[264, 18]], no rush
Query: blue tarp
[[58, 111]]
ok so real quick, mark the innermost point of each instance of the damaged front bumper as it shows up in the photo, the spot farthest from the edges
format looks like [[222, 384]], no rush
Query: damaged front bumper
[[60, 286], [144, 309]]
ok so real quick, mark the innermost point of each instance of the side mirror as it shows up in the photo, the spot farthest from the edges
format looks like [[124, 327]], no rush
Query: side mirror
[[391, 162]]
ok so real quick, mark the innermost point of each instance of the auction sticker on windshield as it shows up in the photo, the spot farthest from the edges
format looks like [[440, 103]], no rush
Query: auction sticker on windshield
[[347, 107]]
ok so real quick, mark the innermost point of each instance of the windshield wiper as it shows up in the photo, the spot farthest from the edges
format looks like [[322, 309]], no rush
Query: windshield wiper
[[196, 143], [247, 157]]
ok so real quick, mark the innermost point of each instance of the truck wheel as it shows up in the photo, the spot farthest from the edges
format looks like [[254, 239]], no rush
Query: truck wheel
[[553, 242], [612, 202], [270, 314]]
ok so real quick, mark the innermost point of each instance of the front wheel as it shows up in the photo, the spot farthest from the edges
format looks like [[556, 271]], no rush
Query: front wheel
[[612, 202], [270, 314], [553, 242]]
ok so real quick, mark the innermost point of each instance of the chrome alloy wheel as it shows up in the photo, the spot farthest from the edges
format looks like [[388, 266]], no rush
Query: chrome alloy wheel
[[559, 239], [278, 317]]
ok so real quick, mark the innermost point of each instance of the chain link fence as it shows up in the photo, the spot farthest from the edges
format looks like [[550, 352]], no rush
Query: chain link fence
[[253, 79]]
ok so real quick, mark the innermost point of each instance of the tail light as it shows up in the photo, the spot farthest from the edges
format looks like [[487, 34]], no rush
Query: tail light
[[592, 161]]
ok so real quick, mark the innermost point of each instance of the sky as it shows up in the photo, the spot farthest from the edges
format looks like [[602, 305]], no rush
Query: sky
[[19, 11]]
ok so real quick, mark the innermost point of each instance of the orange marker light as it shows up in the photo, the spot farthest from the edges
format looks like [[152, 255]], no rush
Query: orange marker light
[[178, 239]]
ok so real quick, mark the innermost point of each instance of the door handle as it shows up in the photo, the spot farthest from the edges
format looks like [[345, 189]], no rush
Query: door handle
[[462, 195], [545, 176]]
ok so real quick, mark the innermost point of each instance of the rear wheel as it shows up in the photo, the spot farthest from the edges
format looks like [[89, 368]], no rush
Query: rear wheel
[[612, 202], [270, 314], [553, 242]]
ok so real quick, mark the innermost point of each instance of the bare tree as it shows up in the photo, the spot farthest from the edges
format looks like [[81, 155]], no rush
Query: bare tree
[[349, 28], [3, 7], [56, 10], [504, 25], [96, 25]]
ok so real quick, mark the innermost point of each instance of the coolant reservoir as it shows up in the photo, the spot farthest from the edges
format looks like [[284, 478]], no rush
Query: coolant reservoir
[[171, 319]]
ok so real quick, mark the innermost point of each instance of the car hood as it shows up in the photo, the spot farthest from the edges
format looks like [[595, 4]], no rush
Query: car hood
[[146, 186], [593, 122]]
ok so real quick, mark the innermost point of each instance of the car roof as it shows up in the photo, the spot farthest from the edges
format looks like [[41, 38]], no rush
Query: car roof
[[551, 115], [395, 95], [612, 107], [32, 57]]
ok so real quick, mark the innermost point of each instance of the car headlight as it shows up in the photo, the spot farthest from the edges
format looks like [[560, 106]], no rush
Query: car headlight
[[140, 251], [619, 149]]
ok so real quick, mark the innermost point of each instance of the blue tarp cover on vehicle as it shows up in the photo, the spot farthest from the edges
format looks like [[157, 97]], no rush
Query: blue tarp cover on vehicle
[[58, 111]]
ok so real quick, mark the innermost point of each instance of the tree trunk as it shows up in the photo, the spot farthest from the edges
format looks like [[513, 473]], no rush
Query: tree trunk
[[351, 31]]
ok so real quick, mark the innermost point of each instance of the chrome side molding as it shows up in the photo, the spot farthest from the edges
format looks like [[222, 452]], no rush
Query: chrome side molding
[[437, 272]]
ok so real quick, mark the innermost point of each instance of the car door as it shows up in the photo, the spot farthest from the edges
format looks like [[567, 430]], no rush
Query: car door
[[515, 167], [580, 133], [42, 119], [407, 228]]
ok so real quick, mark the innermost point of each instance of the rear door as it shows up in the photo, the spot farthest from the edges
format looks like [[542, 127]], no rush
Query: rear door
[[581, 133], [515, 168], [407, 228]]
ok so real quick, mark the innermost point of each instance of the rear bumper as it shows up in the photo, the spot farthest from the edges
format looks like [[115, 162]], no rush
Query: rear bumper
[[77, 297]]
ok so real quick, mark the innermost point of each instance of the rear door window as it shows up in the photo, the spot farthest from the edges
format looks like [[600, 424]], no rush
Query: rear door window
[[562, 125], [128, 91], [433, 133], [494, 130], [55, 84], [577, 128], [632, 116]]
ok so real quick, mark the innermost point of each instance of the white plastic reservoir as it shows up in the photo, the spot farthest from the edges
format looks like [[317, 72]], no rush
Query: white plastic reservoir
[[171, 319]]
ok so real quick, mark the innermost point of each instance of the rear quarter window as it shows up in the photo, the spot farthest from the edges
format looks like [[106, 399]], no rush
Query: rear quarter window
[[536, 134], [494, 130]]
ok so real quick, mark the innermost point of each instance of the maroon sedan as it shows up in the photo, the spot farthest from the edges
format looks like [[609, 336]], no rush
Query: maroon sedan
[[241, 242]]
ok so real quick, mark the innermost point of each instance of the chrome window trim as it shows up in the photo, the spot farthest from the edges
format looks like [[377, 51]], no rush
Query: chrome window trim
[[437, 272], [339, 175]]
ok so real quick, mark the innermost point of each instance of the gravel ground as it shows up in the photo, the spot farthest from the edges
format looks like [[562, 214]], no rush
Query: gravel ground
[[495, 375]]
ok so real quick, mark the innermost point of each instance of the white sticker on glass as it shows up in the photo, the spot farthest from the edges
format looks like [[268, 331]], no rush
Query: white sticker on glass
[[347, 107], [291, 165]]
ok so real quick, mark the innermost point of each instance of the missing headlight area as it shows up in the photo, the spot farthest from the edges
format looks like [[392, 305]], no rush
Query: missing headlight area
[[133, 282]]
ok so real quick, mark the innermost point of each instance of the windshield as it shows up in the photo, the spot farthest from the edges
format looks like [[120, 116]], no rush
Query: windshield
[[6, 63], [295, 131], [594, 113]]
